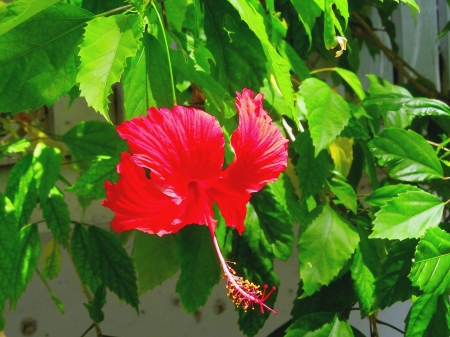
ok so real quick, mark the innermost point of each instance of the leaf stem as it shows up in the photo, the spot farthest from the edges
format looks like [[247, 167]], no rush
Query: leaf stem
[[174, 97], [322, 70], [112, 11], [389, 325]]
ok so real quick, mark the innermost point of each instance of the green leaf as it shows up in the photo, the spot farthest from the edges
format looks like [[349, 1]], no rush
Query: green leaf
[[304, 325], [344, 192], [421, 106], [430, 271], [116, 267], [9, 241], [15, 146], [46, 165], [91, 182], [439, 325], [89, 139], [337, 240], [311, 170], [307, 12], [352, 80], [258, 269], [86, 257], [155, 259], [237, 51], [407, 216], [51, 260], [54, 298], [146, 80], [57, 216], [20, 185], [328, 113], [285, 194], [445, 30], [20, 11], [27, 258], [363, 282], [393, 284], [200, 267], [95, 308], [379, 86], [296, 63], [108, 42], [334, 328], [268, 228], [420, 315], [38, 57], [412, 3], [278, 66], [381, 196], [408, 155]]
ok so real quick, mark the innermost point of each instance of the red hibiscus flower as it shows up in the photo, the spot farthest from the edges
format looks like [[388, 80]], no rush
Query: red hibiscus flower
[[173, 175]]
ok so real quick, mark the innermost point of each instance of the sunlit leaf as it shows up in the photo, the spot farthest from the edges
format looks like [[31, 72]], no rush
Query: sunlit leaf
[[46, 165], [57, 216], [341, 150], [420, 315], [352, 80], [296, 63], [344, 192], [51, 260], [307, 12], [383, 195]]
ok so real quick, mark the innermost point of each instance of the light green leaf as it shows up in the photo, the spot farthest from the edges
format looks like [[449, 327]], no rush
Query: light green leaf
[[86, 257], [38, 57], [116, 267], [89, 139], [27, 258], [311, 170], [46, 165], [407, 216], [21, 10], [328, 113], [200, 267], [337, 240], [329, 32], [393, 284], [15, 146], [379, 86], [381, 196], [412, 3], [176, 11], [408, 155], [422, 106], [344, 192], [352, 80], [439, 325], [91, 182], [342, 6], [237, 51], [146, 80], [9, 241], [430, 271], [108, 42], [155, 259], [278, 66], [57, 216], [420, 315], [335, 328], [296, 63], [51, 260], [307, 12]]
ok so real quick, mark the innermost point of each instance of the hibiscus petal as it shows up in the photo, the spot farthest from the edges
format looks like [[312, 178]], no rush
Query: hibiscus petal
[[138, 203], [178, 147], [259, 146]]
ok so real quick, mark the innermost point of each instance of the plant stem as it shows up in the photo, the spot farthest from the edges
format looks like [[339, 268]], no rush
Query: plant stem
[[322, 70], [174, 97], [112, 11], [389, 325]]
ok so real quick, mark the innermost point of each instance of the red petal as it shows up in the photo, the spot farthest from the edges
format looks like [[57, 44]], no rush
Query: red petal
[[139, 204], [178, 147], [259, 146]]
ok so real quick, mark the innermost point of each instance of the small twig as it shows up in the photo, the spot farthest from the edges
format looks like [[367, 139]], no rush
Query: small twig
[[88, 329], [390, 325], [436, 144], [112, 11], [163, 9]]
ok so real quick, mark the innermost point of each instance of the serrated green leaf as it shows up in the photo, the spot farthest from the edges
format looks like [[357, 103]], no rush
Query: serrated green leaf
[[91, 182], [393, 284], [46, 165], [381, 196], [337, 239], [19, 185], [344, 192], [95, 308], [9, 241], [108, 42], [328, 113], [85, 257], [116, 267], [268, 228], [285, 193], [38, 57], [296, 63], [20, 11], [422, 106], [408, 155], [352, 80], [200, 267], [278, 66], [57, 216], [307, 12], [237, 51], [354, 130], [306, 324], [420, 315], [155, 259], [379, 86], [27, 258], [363, 282], [430, 270], [51, 260], [89, 139], [146, 80], [259, 270], [311, 170], [15, 146], [439, 325], [407, 216]]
